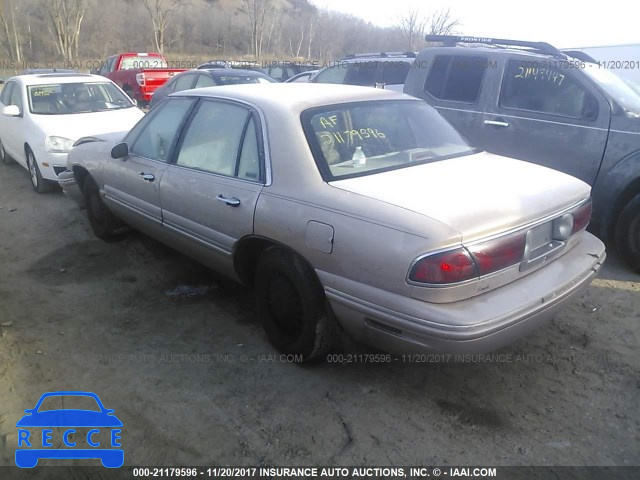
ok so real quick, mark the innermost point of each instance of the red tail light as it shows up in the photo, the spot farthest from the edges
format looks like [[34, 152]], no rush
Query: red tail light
[[497, 254], [581, 217], [447, 267], [140, 79]]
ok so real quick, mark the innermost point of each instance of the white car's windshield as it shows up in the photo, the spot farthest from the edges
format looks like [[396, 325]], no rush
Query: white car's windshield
[[623, 93], [70, 98], [368, 137]]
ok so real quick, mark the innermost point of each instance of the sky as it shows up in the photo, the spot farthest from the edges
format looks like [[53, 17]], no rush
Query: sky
[[561, 23]]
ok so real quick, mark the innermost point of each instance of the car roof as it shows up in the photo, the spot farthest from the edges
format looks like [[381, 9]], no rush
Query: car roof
[[483, 49], [296, 97], [47, 78]]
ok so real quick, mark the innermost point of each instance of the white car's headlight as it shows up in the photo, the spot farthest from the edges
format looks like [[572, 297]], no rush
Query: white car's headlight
[[58, 144]]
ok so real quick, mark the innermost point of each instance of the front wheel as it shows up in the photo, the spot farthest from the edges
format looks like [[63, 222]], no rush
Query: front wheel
[[292, 305], [40, 185], [104, 224], [4, 158], [627, 233]]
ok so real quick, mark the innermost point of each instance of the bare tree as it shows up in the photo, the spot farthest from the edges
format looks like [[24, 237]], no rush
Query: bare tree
[[160, 13], [412, 27], [441, 23], [13, 46], [66, 22], [257, 11]]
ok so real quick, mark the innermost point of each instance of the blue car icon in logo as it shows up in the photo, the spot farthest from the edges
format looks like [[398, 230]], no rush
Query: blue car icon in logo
[[32, 447]]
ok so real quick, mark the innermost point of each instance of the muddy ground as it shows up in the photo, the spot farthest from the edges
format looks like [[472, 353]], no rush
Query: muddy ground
[[180, 355]]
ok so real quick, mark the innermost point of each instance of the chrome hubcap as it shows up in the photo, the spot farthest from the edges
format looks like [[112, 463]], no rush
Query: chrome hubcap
[[32, 170]]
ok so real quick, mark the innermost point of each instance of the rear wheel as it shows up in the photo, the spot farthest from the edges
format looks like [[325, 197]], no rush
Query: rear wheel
[[627, 233], [292, 305], [40, 185], [104, 224]]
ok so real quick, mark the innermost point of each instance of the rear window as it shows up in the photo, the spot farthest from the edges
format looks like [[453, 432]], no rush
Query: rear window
[[456, 78], [362, 138], [128, 63], [395, 73], [362, 73]]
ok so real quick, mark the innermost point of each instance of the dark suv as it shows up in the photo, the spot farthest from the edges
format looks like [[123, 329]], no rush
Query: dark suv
[[383, 70], [529, 100]]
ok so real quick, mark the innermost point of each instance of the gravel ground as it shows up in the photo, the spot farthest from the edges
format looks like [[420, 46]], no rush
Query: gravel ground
[[180, 355]]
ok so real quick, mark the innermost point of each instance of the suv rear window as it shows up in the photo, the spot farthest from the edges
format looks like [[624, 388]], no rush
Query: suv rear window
[[456, 78], [395, 72], [362, 73], [528, 86]]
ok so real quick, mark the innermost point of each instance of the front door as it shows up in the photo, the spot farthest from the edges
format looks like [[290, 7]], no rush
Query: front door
[[132, 184]]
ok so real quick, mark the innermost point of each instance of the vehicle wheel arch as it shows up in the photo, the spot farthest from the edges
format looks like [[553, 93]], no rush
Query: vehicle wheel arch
[[247, 253], [81, 174]]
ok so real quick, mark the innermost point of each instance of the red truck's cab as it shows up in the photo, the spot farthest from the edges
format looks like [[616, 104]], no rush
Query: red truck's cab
[[138, 74]]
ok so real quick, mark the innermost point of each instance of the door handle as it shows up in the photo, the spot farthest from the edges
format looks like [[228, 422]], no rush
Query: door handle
[[496, 123], [147, 176], [232, 202]]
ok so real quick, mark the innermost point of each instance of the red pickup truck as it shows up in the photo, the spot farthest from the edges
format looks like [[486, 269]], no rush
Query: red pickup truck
[[138, 74]]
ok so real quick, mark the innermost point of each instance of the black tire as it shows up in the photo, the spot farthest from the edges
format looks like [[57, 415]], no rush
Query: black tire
[[4, 158], [292, 305], [39, 184], [627, 233], [105, 225]]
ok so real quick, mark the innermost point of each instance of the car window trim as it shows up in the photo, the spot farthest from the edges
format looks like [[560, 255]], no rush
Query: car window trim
[[251, 110], [573, 77]]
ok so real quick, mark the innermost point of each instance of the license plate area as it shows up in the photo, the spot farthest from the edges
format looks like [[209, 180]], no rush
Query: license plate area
[[540, 246]]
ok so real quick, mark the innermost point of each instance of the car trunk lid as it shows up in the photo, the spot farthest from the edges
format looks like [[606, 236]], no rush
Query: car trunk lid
[[478, 195]]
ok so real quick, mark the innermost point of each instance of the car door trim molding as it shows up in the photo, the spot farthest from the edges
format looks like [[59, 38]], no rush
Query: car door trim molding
[[195, 237]]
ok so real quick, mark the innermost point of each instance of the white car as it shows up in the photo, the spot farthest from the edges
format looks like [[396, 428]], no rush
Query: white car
[[42, 115]]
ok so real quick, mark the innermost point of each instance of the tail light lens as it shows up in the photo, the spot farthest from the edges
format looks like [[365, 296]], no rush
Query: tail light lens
[[140, 79], [581, 217], [447, 267], [497, 254]]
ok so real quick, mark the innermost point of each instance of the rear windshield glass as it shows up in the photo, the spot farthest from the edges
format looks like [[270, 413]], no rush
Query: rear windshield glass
[[241, 79], [357, 139], [128, 63]]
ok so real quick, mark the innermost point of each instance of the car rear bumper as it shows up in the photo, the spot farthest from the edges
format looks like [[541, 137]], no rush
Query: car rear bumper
[[475, 325], [70, 187]]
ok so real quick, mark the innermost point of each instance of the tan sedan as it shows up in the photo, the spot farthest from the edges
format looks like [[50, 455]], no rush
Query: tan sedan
[[347, 209]]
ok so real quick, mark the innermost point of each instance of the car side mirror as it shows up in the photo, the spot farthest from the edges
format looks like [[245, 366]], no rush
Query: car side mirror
[[121, 150], [11, 111]]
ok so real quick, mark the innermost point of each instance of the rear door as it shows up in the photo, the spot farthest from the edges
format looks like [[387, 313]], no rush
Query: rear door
[[132, 184], [13, 128], [454, 86], [210, 193], [547, 114]]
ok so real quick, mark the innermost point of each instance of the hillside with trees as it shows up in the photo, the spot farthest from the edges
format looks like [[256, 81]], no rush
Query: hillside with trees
[[71, 30]]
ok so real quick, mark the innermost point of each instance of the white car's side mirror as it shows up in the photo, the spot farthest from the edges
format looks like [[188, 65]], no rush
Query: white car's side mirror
[[11, 111]]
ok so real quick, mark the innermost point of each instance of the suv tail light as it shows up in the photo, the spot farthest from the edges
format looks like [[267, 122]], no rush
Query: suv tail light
[[581, 217], [140, 79], [452, 266]]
